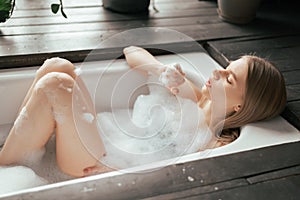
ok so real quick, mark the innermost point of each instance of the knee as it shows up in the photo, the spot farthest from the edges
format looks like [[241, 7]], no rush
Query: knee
[[56, 65], [55, 82]]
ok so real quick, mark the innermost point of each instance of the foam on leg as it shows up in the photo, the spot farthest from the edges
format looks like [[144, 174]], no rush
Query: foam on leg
[[88, 117], [78, 71], [51, 85], [33, 158]]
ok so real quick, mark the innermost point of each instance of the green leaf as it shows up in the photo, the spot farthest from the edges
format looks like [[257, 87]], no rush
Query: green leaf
[[4, 15], [6, 8], [55, 7]]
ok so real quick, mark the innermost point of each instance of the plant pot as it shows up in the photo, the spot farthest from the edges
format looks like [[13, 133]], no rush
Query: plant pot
[[238, 11], [127, 6]]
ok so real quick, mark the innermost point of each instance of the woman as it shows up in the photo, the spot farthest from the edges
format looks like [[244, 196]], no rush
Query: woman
[[254, 89]]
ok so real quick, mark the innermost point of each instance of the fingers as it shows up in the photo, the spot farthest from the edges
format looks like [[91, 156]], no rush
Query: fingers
[[179, 69], [172, 77]]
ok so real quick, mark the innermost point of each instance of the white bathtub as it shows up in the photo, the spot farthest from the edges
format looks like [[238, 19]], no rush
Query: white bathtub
[[14, 84]]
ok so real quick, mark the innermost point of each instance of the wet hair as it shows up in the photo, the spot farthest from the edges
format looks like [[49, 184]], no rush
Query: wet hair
[[265, 98]]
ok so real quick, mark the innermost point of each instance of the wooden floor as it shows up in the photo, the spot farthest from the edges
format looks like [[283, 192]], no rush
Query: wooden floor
[[34, 34]]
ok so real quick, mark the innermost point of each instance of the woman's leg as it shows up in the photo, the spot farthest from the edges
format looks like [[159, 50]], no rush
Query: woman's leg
[[30, 132], [49, 103], [51, 65], [78, 143]]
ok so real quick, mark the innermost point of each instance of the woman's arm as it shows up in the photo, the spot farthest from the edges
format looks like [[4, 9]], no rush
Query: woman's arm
[[141, 59], [195, 81]]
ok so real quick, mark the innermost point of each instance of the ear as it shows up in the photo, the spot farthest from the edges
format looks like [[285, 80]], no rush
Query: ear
[[237, 107]]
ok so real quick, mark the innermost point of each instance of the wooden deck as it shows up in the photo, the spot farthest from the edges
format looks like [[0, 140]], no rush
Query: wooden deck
[[34, 34]]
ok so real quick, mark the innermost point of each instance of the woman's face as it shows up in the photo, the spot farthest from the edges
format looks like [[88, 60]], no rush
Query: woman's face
[[231, 82]]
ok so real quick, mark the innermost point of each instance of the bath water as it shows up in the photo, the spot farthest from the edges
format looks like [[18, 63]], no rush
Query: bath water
[[159, 126]]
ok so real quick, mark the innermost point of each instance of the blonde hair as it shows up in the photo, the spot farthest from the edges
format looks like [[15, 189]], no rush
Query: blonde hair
[[265, 98]]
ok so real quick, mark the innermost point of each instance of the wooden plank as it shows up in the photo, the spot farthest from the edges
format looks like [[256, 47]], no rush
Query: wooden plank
[[36, 4], [95, 25], [228, 185], [61, 42], [45, 11], [97, 54], [284, 188], [293, 92], [292, 77], [258, 43], [53, 41], [40, 12], [201, 190], [282, 51], [105, 15], [275, 175], [292, 113], [177, 177], [99, 11]]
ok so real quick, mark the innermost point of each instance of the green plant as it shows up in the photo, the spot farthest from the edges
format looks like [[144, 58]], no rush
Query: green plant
[[7, 7], [55, 7]]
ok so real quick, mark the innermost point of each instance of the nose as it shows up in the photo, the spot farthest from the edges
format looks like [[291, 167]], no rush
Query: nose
[[219, 73]]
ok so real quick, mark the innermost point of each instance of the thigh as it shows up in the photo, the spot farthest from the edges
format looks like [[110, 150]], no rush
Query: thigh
[[30, 132], [78, 144]]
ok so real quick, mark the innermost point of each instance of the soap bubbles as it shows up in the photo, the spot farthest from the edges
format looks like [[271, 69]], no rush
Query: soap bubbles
[[18, 177], [138, 117]]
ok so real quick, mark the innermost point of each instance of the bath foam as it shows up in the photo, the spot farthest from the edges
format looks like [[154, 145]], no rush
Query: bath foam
[[62, 86], [33, 158], [59, 117], [160, 126], [59, 113], [78, 71], [88, 117], [17, 178], [168, 79], [40, 85]]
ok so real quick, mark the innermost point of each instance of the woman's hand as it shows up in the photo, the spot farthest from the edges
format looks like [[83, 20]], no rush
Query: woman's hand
[[172, 77]]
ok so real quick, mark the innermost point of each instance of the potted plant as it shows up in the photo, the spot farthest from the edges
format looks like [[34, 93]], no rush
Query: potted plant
[[127, 6], [238, 11]]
